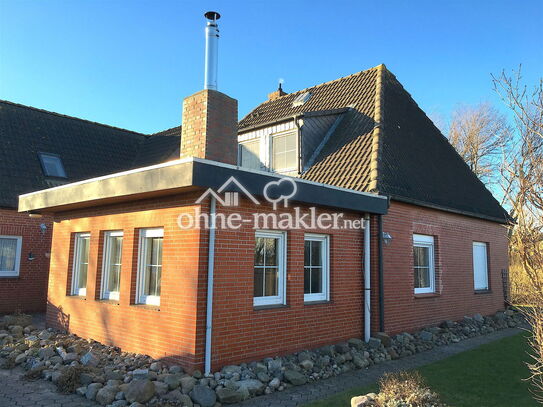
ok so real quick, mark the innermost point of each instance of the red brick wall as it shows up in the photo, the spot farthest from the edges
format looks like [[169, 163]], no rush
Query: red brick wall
[[27, 292], [243, 333], [174, 330], [453, 238]]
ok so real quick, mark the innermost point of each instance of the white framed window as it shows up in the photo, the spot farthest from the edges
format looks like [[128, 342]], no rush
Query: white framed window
[[10, 255], [150, 266], [269, 268], [111, 265], [316, 267], [52, 165], [424, 264], [284, 152], [81, 264], [249, 155], [480, 266]]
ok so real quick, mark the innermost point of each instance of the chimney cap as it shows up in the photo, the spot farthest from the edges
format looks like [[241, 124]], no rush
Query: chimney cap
[[212, 15]]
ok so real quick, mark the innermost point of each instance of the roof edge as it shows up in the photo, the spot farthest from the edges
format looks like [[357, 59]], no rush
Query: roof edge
[[376, 143]]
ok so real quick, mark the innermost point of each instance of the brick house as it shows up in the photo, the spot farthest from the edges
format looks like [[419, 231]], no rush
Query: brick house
[[125, 269], [42, 149]]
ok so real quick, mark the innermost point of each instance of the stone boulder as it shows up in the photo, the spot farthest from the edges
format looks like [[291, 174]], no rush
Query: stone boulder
[[203, 396], [140, 391], [294, 377]]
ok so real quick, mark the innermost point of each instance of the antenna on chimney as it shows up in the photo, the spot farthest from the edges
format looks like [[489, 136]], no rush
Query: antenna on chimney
[[212, 50]]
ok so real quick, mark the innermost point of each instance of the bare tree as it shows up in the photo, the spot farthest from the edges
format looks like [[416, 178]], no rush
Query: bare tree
[[478, 133], [522, 185]]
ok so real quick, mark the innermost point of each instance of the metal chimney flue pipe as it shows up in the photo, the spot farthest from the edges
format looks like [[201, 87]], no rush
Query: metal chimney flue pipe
[[212, 50]]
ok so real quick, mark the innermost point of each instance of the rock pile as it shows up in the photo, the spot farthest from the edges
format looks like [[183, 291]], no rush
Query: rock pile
[[115, 378]]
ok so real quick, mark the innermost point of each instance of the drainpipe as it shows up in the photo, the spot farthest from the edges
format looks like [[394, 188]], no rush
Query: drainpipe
[[367, 279], [381, 277], [210, 271]]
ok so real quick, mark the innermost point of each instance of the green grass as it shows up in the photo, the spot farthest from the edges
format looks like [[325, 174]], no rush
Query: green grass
[[490, 375]]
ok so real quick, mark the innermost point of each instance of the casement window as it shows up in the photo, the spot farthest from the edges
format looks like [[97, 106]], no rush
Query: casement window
[[480, 266], [284, 151], [111, 267], [424, 264], [52, 165], [150, 266], [269, 268], [316, 265], [10, 255], [249, 155], [80, 264]]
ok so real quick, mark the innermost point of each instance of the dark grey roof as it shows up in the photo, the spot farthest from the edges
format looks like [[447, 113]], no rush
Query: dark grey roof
[[87, 149], [385, 143]]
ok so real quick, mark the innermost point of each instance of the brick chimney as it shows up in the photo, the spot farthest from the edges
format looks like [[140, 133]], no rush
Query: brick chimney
[[277, 94], [210, 127], [210, 118]]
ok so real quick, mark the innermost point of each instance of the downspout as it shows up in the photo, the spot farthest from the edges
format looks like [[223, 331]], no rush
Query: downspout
[[367, 279], [381, 274], [210, 272]]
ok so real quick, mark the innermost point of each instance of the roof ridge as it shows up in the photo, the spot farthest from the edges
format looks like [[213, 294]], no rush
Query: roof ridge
[[311, 87], [162, 131], [378, 118], [70, 117]]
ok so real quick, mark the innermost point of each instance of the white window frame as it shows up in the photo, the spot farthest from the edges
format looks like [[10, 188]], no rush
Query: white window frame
[[486, 286], [142, 248], [428, 242], [325, 261], [240, 155], [106, 294], [82, 292], [291, 132], [279, 299], [13, 273]]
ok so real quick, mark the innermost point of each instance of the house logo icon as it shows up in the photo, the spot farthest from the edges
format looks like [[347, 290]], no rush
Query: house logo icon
[[231, 198]]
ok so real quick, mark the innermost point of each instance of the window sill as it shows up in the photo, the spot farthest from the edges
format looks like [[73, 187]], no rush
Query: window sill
[[147, 307], [483, 291], [77, 297], [426, 295], [9, 276], [106, 301], [317, 302], [274, 306]]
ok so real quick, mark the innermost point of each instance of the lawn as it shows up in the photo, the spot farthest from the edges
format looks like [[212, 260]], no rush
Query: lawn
[[490, 375]]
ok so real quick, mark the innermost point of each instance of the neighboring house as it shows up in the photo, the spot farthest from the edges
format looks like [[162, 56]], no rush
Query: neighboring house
[[125, 272], [40, 150]]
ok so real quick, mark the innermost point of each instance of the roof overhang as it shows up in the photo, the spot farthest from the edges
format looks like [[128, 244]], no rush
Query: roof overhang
[[188, 175]]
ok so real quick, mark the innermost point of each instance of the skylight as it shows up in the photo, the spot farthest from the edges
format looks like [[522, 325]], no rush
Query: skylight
[[301, 99], [52, 165]]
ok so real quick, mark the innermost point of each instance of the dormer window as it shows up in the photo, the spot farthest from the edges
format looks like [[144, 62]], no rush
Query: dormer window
[[249, 155], [52, 165], [284, 152]]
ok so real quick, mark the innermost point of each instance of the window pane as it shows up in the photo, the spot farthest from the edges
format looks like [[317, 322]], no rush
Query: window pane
[[83, 261], [153, 266], [422, 277], [52, 166], [259, 251], [114, 263], [307, 280], [250, 155], [316, 280], [259, 282], [421, 256], [284, 151], [271, 252], [114, 277], [316, 253], [271, 281], [307, 253], [8, 253]]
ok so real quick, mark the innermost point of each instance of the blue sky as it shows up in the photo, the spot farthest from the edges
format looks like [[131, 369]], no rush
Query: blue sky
[[130, 63]]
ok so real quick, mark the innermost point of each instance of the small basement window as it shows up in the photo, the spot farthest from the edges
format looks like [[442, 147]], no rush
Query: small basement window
[[52, 165]]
